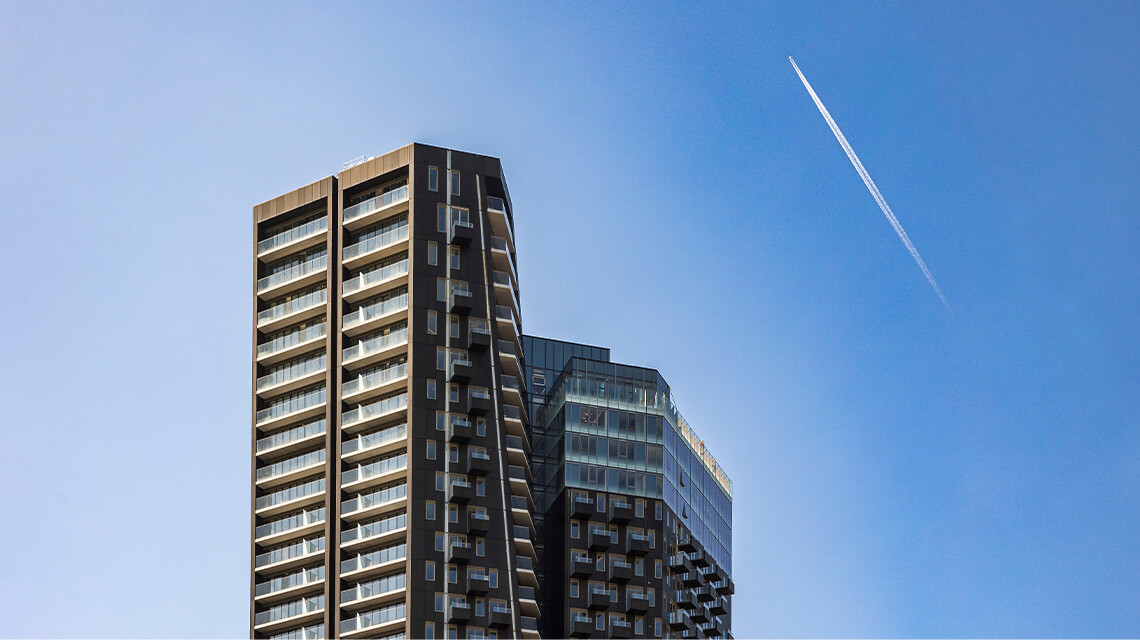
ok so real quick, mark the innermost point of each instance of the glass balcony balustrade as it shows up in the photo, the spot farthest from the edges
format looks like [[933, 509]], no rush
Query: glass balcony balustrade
[[375, 379], [375, 276], [376, 310], [372, 440], [292, 339], [374, 618], [377, 344], [285, 467], [290, 436], [296, 305], [290, 610], [300, 578], [300, 232], [291, 404], [367, 500], [294, 492], [376, 409], [377, 242], [292, 371], [366, 530], [375, 204], [289, 552], [311, 632], [371, 470], [295, 521], [379, 586]]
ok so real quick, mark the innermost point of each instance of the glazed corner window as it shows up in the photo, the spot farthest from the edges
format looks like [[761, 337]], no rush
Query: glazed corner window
[[433, 253], [431, 326], [431, 389], [433, 185], [454, 183]]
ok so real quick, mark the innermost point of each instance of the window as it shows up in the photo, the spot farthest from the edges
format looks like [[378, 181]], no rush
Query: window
[[638, 626], [439, 480], [480, 427], [656, 568], [431, 322], [429, 629], [453, 257], [639, 567], [441, 358], [480, 547], [453, 392], [433, 254], [452, 634], [658, 508], [651, 594], [574, 529], [480, 607], [454, 183], [657, 627], [494, 578], [429, 510], [600, 563], [453, 453], [452, 574], [452, 514], [429, 571], [600, 621], [453, 322], [433, 185], [481, 488], [441, 289], [440, 421], [639, 508], [441, 218], [430, 445], [573, 588], [439, 541], [601, 502], [431, 389]]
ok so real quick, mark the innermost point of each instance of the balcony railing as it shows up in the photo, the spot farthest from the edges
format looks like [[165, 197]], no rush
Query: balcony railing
[[377, 344], [292, 464], [294, 492], [300, 578], [292, 339], [368, 411], [291, 404], [292, 273], [506, 314], [376, 276], [379, 586], [374, 618], [371, 470], [375, 204], [295, 521], [372, 529], [377, 439], [289, 552], [376, 310], [290, 610], [375, 379], [292, 435], [300, 232], [294, 371], [307, 301], [367, 500], [512, 412], [381, 241]]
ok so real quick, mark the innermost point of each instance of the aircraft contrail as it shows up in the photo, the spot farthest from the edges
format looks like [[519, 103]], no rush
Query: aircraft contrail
[[871, 186]]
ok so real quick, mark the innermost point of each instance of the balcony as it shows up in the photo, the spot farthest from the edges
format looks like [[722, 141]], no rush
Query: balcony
[[364, 505], [679, 620], [529, 626], [305, 522], [458, 613], [478, 584], [376, 281], [393, 408], [479, 335], [620, 571], [374, 473], [386, 529], [375, 383], [459, 430], [505, 291], [377, 247], [460, 301], [289, 555], [375, 314], [508, 323], [678, 563], [289, 583], [461, 233], [386, 204], [478, 524], [458, 369], [296, 309], [379, 621], [621, 629], [458, 552], [687, 544], [699, 615], [600, 598], [636, 544], [298, 406], [292, 344], [524, 543], [375, 349], [290, 469], [501, 219], [691, 579], [478, 463], [501, 618], [724, 587], [512, 417], [685, 599], [620, 512], [636, 603], [528, 601], [699, 559], [582, 508], [520, 512], [459, 491], [599, 540], [294, 239], [375, 442], [518, 452], [581, 566], [581, 626], [719, 607], [479, 403], [704, 593], [289, 613], [285, 378]]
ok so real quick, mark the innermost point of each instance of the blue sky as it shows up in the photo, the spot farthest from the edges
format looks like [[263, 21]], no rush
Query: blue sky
[[899, 471]]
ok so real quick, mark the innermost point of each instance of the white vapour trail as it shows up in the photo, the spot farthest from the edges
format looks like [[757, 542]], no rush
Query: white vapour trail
[[871, 186]]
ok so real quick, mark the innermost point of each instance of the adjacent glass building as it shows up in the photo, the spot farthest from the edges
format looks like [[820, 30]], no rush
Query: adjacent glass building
[[420, 468]]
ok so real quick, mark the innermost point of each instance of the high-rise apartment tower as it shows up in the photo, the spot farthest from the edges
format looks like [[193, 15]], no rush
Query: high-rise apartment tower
[[394, 491]]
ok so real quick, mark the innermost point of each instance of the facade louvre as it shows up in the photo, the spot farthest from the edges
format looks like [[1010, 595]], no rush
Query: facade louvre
[[410, 472]]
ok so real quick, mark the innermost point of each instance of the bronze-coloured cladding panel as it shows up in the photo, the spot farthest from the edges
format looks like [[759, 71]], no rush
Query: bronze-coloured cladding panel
[[295, 199]]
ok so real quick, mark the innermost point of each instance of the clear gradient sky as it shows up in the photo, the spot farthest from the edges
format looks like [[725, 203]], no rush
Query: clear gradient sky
[[899, 471]]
